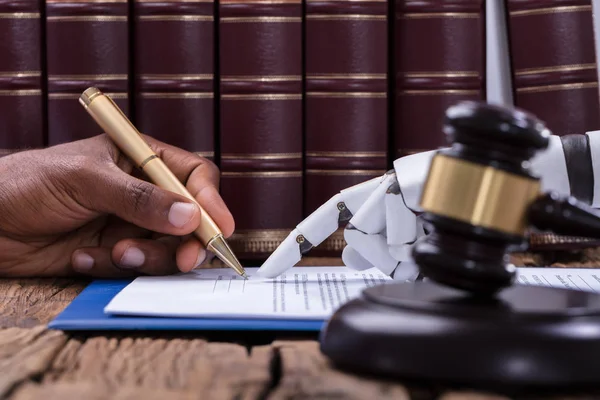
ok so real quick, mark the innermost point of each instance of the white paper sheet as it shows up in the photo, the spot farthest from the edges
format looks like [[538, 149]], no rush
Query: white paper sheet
[[584, 279], [310, 293]]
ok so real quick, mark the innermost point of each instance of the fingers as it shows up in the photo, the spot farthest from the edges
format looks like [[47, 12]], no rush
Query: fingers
[[132, 257], [317, 227], [352, 259], [190, 254], [373, 248], [412, 174], [402, 225], [140, 203], [380, 232], [201, 178]]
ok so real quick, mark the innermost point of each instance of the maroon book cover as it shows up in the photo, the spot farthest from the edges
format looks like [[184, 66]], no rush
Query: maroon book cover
[[554, 63], [21, 76], [260, 116], [439, 61], [174, 72], [555, 77], [87, 45], [346, 100]]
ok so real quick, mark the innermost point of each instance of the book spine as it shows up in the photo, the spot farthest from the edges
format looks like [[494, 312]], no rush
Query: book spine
[[21, 76], [260, 58], [87, 45], [346, 100], [555, 77], [174, 72], [439, 61], [554, 63]]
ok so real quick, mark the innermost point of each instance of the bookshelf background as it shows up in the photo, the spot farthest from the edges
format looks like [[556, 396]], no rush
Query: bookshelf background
[[294, 100]]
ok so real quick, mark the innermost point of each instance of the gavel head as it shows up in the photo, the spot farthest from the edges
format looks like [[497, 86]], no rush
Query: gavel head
[[476, 196]]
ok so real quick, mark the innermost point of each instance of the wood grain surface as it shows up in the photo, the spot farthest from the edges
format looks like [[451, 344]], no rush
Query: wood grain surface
[[36, 363], [32, 302]]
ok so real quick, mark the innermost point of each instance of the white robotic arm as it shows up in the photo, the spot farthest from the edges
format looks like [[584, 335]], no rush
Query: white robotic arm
[[382, 214]]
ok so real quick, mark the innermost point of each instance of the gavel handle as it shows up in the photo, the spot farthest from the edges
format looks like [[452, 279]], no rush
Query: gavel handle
[[564, 215]]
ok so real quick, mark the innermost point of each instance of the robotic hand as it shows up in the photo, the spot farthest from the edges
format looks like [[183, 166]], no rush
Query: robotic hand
[[383, 216]]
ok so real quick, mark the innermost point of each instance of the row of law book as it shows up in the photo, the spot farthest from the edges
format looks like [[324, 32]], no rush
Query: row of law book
[[294, 100]]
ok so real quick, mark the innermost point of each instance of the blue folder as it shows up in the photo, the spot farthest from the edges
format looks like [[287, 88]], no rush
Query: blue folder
[[86, 313]]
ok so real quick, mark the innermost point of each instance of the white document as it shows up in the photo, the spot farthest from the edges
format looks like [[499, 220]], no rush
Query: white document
[[583, 279], [307, 293]]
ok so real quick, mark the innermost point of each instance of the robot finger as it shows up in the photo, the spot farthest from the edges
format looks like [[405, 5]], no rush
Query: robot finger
[[370, 217], [402, 226], [372, 248], [353, 259], [317, 227], [407, 269]]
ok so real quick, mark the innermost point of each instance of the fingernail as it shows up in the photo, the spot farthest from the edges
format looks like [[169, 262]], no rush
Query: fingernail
[[132, 258], [83, 262], [201, 257], [181, 213]]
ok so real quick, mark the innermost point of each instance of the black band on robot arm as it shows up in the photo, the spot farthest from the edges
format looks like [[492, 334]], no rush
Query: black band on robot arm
[[579, 166]]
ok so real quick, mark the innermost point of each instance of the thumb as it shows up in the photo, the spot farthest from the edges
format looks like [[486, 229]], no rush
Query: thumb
[[143, 204]]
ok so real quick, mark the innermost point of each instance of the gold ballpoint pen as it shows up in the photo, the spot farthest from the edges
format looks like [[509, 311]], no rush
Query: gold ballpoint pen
[[122, 132]]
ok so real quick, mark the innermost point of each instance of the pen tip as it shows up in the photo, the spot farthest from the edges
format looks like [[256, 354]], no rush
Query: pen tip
[[244, 276]]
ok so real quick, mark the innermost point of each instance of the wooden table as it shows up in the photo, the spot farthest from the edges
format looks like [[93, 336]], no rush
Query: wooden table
[[39, 363]]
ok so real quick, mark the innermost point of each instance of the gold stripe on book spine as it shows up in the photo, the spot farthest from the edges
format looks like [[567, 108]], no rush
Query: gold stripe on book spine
[[559, 68], [346, 76], [346, 17], [86, 1], [183, 95], [550, 239], [459, 15], [551, 10], [192, 18], [19, 15], [262, 174], [87, 18], [346, 1], [440, 74], [182, 77], [262, 96], [261, 2], [20, 74], [348, 154], [557, 87], [267, 240], [259, 19], [259, 78], [337, 172], [408, 152], [270, 156], [100, 77], [441, 91], [21, 92], [70, 96], [173, 1], [342, 95]]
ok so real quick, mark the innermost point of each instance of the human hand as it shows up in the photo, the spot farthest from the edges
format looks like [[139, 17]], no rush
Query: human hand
[[82, 207]]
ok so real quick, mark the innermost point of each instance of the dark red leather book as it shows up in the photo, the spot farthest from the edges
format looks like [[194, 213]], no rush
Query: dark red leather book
[[87, 45], [554, 63], [555, 77], [174, 72], [346, 100], [21, 72], [260, 58], [439, 49]]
